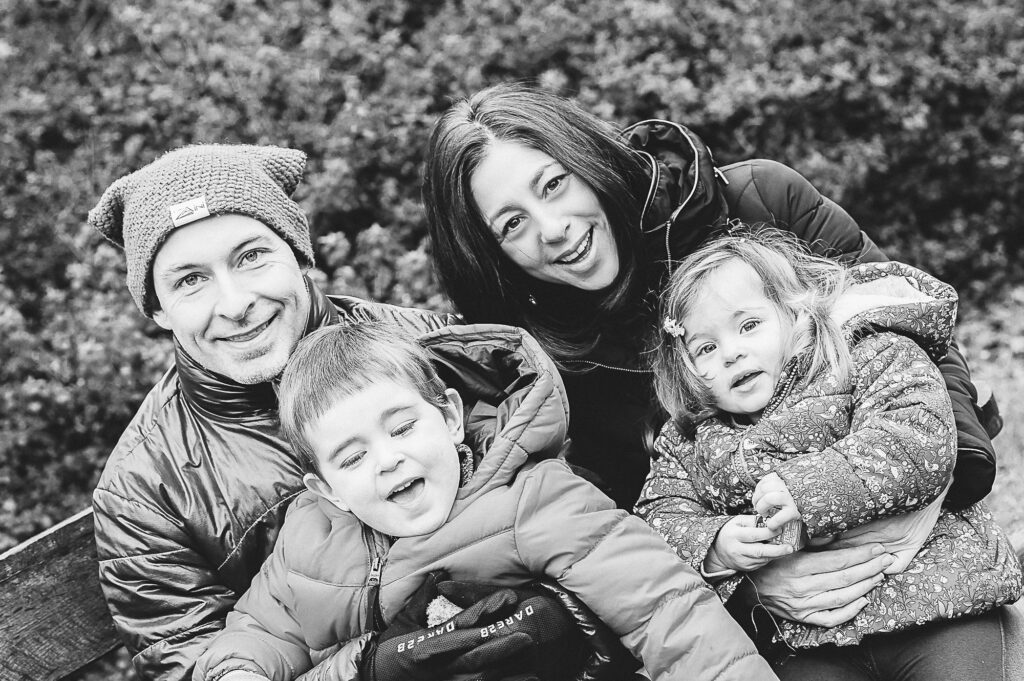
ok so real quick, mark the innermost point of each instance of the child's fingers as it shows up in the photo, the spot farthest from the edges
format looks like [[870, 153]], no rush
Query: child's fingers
[[746, 531], [772, 502], [766, 552], [752, 556], [782, 516]]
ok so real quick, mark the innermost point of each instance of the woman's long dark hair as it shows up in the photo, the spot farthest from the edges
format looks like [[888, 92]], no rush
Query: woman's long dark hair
[[482, 282]]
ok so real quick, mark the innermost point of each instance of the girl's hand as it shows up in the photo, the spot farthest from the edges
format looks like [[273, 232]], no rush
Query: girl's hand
[[774, 503], [741, 545]]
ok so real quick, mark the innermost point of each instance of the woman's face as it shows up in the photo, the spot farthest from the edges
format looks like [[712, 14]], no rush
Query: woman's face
[[546, 219]]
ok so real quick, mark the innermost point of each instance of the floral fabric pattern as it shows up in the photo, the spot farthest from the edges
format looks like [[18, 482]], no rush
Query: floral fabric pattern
[[879, 443]]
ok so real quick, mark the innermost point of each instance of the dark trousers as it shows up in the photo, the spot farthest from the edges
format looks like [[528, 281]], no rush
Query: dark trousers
[[966, 649]]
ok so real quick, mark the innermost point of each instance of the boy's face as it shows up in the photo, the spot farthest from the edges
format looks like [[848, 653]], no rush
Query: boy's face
[[388, 456], [737, 339]]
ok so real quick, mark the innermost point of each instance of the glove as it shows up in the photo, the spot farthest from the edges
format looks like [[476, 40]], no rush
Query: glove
[[463, 647], [568, 641]]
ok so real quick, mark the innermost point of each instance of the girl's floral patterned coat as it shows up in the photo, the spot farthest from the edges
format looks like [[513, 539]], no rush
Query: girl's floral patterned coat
[[880, 443]]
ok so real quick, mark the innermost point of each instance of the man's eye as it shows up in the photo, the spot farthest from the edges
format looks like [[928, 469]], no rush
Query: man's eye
[[189, 281], [250, 257]]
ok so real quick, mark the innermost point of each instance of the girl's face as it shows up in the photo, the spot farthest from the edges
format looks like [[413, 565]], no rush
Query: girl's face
[[388, 456], [737, 339], [547, 220]]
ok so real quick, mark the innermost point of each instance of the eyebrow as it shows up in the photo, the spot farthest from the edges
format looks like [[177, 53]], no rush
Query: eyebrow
[[533, 187]]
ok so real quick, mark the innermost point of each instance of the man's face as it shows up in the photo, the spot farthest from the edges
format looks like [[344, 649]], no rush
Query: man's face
[[233, 295]]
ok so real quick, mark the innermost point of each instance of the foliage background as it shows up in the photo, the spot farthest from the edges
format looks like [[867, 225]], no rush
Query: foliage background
[[910, 113]]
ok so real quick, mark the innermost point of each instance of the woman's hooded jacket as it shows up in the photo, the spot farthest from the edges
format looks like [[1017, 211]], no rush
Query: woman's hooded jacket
[[522, 515], [689, 201], [878, 444]]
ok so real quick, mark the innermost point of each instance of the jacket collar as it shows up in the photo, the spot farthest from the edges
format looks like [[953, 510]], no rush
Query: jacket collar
[[515, 407], [224, 397], [685, 204]]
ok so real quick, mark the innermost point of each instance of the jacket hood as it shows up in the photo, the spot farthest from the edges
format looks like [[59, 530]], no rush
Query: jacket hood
[[222, 396], [893, 296], [685, 204], [515, 405]]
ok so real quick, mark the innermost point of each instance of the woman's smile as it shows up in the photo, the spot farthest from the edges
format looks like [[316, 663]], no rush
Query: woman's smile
[[581, 251]]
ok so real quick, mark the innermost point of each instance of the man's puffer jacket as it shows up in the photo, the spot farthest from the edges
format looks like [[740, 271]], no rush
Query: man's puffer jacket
[[522, 515], [689, 201], [191, 500]]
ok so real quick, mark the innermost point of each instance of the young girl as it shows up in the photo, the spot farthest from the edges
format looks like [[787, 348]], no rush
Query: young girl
[[408, 475], [804, 395]]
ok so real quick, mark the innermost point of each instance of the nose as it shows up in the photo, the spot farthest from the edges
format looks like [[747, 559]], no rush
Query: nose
[[389, 459], [732, 351], [553, 228], [235, 299]]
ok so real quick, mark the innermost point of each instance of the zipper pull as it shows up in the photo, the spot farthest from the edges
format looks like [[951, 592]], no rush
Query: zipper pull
[[375, 570], [721, 176]]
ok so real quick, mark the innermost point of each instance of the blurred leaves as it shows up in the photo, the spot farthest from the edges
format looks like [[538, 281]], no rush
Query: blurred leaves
[[911, 114]]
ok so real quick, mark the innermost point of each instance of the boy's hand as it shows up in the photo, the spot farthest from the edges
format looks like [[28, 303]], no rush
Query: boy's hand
[[773, 502], [742, 545]]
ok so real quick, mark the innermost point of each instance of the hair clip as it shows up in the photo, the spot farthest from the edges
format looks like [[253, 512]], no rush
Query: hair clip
[[673, 328]]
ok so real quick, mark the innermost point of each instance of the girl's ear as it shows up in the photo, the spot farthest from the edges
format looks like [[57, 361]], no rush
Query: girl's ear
[[318, 486], [453, 415]]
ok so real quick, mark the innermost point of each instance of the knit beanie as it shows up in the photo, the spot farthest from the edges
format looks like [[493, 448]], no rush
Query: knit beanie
[[138, 211]]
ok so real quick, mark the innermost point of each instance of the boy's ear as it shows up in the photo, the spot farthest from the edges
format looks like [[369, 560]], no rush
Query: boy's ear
[[315, 484], [453, 415]]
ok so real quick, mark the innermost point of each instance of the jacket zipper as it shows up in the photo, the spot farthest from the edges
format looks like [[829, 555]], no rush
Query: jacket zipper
[[374, 619]]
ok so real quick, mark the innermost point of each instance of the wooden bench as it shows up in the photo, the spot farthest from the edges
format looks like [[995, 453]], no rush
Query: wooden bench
[[53, 620]]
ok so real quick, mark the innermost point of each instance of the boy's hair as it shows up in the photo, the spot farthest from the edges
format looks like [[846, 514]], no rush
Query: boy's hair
[[803, 287], [340, 360]]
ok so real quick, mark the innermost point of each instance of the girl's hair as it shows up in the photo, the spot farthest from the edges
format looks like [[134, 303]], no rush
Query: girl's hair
[[340, 360], [803, 287], [482, 282]]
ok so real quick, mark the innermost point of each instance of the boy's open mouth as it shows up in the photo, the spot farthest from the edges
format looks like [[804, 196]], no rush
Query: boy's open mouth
[[407, 490]]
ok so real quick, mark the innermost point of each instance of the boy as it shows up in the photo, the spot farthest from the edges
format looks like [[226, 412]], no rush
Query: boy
[[382, 436]]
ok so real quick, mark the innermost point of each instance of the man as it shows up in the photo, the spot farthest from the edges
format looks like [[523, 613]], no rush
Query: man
[[191, 499]]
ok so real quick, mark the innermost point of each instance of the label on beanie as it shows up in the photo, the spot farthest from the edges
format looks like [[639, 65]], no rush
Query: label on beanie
[[189, 211]]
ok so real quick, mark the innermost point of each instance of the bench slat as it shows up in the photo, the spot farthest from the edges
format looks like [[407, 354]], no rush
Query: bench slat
[[53, 619]]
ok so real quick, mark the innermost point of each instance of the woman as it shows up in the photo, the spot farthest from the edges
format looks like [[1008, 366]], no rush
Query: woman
[[541, 215]]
